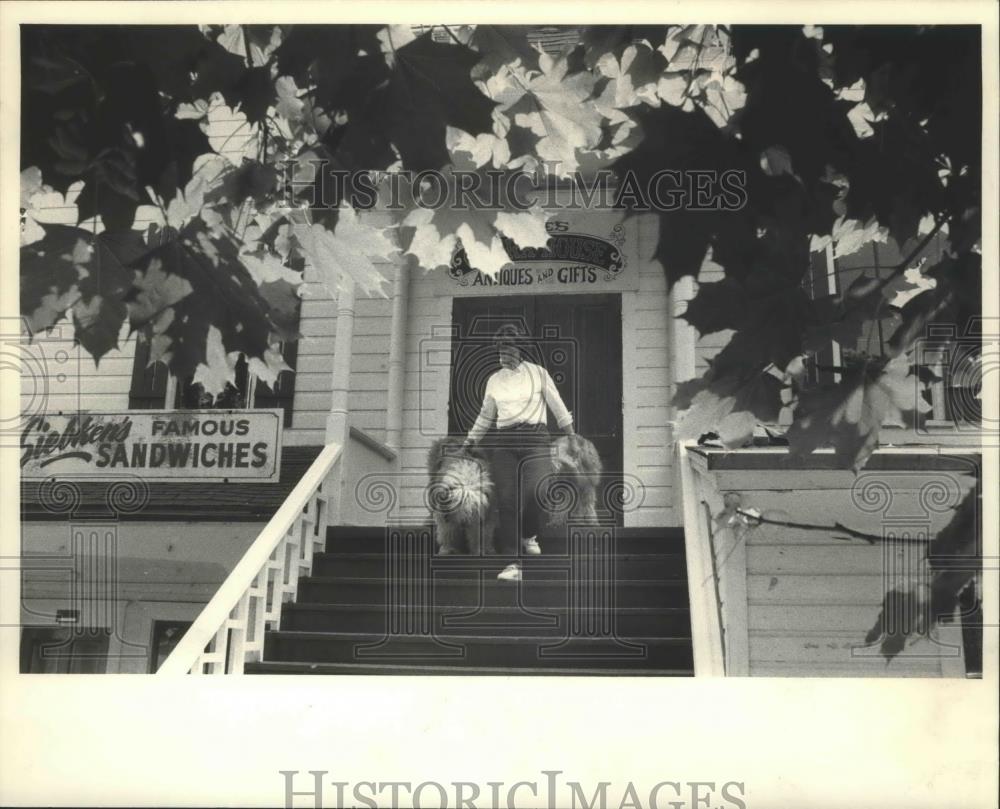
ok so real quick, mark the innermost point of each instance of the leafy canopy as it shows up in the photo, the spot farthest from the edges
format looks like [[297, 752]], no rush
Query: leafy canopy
[[168, 141]]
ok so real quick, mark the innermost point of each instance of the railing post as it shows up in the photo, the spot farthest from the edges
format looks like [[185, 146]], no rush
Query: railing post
[[706, 625], [337, 426], [230, 630], [340, 383], [683, 343]]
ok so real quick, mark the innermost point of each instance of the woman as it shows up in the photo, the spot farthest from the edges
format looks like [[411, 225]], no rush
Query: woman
[[515, 401]]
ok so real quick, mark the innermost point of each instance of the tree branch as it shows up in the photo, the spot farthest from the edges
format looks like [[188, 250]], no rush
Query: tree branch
[[871, 539]]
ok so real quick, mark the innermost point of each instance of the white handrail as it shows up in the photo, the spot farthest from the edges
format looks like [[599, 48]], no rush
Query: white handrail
[[230, 629], [706, 624]]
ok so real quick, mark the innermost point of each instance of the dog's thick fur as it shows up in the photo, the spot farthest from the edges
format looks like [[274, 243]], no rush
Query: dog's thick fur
[[462, 498], [576, 462]]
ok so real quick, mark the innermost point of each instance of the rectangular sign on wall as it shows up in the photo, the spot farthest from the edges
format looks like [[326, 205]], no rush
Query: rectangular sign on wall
[[243, 445]]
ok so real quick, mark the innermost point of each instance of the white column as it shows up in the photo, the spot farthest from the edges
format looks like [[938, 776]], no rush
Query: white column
[[397, 354], [683, 343], [683, 334], [340, 385]]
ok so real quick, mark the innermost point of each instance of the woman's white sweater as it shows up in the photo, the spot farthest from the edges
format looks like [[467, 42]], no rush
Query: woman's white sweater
[[519, 396]]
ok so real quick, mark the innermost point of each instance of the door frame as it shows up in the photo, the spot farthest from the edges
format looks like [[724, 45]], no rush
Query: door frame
[[613, 462]]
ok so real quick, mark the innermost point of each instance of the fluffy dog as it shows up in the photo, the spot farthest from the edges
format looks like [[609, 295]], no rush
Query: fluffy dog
[[577, 465], [462, 498]]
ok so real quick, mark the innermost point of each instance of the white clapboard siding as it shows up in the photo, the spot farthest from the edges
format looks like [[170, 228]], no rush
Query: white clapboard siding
[[425, 390], [58, 376], [812, 597], [647, 386]]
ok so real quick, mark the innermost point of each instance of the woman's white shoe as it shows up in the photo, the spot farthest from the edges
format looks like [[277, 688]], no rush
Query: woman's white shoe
[[531, 546], [510, 573]]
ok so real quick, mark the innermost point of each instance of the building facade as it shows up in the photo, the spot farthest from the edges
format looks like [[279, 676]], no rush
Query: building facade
[[384, 377]]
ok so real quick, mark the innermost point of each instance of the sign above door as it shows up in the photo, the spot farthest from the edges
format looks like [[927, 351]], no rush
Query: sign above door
[[586, 252]]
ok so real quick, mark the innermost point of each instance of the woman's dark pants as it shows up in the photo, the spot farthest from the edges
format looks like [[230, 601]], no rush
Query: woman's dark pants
[[520, 459]]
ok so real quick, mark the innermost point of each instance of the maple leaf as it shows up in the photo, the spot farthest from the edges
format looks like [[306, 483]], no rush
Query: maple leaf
[[731, 406], [891, 180], [770, 317], [430, 89], [266, 268], [721, 98], [51, 270], [954, 298], [230, 133], [427, 244], [346, 253], [31, 184], [699, 72], [850, 235], [238, 39], [279, 286], [481, 149], [156, 290], [97, 323], [850, 413], [392, 37], [174, 52], [437, 233], [634, 76], [268, 369], [698, 48], [250, 180], [902, 289], [554, 108], [343, 62], [503, 45], [41, 205], [787, 103], [111, 190], [289, 106], [681, 141], [487, 257], [284, 304], [525, 228], [219, 368], [187, 203], [199, 276]]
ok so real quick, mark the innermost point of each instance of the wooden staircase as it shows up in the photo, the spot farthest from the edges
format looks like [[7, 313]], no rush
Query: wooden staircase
[[599, 602]]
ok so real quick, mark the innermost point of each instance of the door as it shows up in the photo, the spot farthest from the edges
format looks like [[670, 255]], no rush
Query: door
[[578, 338]]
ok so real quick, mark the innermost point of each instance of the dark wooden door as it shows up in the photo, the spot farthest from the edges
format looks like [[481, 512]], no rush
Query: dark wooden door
[[578, 338]]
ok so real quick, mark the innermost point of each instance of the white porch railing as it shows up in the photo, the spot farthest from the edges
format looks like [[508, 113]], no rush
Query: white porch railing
[[229, 632], [708, 644]]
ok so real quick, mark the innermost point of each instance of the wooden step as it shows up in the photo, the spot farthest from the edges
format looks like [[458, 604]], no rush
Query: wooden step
[[459, 619], [462, 651], [376, 565], [494, 621], [471, 591], [411, 670], [373, 539]]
